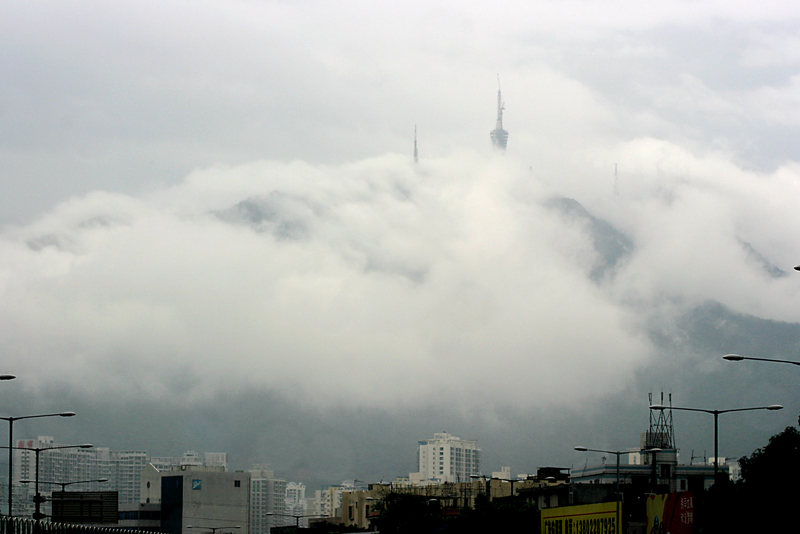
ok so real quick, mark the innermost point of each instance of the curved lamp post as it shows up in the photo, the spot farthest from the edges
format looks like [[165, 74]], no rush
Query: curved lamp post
[[65, 484], [618, 454], [716, 413], [37, 499], [7, 377], [297, 518], [11, 446], [738, 358], [213, 530]]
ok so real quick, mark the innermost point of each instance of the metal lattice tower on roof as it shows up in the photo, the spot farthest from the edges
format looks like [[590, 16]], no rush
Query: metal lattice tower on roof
[[661, 434], [499, 136]]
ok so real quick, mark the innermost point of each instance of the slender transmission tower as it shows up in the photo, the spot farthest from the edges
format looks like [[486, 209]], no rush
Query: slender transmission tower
[[499, 135], [416, 156]]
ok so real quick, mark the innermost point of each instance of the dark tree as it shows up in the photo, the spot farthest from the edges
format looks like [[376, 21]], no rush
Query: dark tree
[[406, 514], [775, 467], [770, 487]]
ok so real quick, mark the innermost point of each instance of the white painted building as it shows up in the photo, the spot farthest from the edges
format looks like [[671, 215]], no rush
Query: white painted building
[[197, 499], [57, 466], [321, 504], [446, 458], [296, 503], [189, 458], [267, 499]]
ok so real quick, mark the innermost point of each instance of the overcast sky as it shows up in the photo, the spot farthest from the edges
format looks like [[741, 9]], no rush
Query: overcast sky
[[356, 302]]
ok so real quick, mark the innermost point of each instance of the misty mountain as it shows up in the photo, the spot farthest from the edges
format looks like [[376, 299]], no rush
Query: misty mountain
[[767, 266], [611, 245], [714, 328], [278, 213]]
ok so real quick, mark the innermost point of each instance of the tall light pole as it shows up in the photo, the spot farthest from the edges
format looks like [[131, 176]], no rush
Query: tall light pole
[[37, 499], [7, 377], [716, 413], [11, 447], [297, 518], [214, 530], [617, 528], [738, 358], [65, 484]]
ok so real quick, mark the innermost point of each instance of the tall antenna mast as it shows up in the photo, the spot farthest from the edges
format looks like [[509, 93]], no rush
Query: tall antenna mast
[[500, 105], [416, 156], [499, 136]]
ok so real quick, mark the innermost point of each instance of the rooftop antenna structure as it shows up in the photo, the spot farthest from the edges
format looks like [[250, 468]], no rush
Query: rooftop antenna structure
[[499, 136], [661, 434], [416, 156]]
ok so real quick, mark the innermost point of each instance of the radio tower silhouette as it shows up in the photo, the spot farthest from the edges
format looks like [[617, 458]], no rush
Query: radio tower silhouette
[[499, 135], [416, 157]]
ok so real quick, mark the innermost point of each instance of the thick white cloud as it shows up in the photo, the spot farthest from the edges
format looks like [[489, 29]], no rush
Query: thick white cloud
[[400, 284], [382, 282]]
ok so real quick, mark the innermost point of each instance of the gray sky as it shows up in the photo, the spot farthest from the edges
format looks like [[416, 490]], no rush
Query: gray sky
[[363, 303]]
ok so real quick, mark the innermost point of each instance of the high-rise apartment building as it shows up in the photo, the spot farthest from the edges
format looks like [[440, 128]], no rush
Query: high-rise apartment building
[[296, 503], [447, 458], [78, 468], [84, 467], [267, 500], [190, 458]]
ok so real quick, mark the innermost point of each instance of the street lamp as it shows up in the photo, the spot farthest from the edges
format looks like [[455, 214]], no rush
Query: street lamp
[[37, 499], [618, 454], [738, 358], [7, 377], [297, 518], [214, 529], [11, 445], [716, 413], [65, 484]]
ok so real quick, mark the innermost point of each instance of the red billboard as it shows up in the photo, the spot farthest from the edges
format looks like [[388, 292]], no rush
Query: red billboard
[[671, 513]]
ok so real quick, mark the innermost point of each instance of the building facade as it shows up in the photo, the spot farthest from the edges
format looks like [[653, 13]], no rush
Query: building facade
[[296, 502], [200, 500], [77, 469], [446, 458], [80, 469], [654, 471], [267, 500]]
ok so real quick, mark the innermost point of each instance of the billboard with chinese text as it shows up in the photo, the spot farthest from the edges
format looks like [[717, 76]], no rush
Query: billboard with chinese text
[[671, 512], [595, 518]]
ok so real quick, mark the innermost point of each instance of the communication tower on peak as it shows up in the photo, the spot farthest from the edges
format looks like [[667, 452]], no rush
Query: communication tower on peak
[[499, 136], [416, 157]]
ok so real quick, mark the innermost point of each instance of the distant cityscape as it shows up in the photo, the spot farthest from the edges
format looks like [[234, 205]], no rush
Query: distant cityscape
[[173, 494]]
